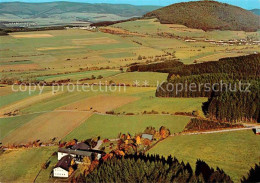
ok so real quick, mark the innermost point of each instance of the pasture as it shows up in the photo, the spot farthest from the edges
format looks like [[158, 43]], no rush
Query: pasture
[[109, 126], [170, 105], [234, 152], [79, 75], [23, 165], [99, 103], [56, 124]]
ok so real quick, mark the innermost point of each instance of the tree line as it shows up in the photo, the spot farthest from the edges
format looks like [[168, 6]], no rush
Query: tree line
[[153, 168]]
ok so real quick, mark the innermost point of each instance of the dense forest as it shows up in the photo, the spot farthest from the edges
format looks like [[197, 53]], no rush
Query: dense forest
[[231, 84], [207, 15], [151, 168], [242, 67], [234, 106]]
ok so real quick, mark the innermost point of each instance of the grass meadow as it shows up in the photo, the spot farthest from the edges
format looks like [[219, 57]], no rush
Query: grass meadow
[[234, 152], [23, 165], [109, 126]]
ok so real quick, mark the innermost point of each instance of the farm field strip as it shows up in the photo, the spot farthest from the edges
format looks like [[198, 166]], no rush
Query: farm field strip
[[31, 35], [99, 103], [46, 127], [27, 102]]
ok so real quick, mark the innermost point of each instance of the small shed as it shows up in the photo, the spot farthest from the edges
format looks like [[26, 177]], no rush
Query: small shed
[[147, 136]]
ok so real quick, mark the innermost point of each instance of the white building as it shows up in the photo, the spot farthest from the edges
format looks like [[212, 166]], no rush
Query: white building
[[62, 167], [78, 154], [60, 172]]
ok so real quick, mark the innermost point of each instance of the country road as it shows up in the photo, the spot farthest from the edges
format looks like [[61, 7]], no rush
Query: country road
[[216, 131]]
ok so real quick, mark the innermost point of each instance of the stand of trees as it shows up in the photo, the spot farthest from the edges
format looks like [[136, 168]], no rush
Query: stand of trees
[[197, 124], [153, 168], [165, 66], [234, 106]]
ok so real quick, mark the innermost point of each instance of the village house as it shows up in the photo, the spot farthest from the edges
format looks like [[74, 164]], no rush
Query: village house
[[62, 167], [76, 153]]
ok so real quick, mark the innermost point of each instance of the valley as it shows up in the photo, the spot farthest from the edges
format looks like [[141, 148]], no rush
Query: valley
[[106, 89]]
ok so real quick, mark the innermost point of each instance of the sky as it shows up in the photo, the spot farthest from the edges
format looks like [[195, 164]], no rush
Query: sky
[[246, 4]]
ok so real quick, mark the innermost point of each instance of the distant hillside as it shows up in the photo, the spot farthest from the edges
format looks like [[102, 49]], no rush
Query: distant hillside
[[63, 13], [207, 15], [256, 11], [47, 9]]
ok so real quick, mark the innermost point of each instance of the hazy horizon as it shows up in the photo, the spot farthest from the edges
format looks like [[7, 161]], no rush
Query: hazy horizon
[[246, 4]]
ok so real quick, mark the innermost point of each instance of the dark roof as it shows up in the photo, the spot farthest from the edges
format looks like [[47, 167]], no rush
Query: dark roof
[[65, 162], [81, 146], [80, 152]]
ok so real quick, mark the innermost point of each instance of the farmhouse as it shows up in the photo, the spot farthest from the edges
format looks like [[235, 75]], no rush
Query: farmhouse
[[147, 136], [78, 155], [62, 167]]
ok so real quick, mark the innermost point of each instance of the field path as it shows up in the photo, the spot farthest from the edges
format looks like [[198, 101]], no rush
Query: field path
[[217, 131]]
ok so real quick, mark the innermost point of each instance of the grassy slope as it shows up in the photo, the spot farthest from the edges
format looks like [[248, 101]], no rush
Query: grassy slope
[[234, 152], [24, 164], [108, 126]]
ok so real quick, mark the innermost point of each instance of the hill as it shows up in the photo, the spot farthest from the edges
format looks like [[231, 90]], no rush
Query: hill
[[207, 15], [47, 9], [256, 11], [44, 14]]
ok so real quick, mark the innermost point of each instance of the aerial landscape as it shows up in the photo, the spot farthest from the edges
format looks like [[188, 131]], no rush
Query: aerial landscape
[[130, 91]]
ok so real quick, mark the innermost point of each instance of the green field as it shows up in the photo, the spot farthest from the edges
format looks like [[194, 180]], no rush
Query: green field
[[118, 55], [23, 165], [171, 105], [107, 126], [79, 75], [7, 125], [152, 78], [234, 152]]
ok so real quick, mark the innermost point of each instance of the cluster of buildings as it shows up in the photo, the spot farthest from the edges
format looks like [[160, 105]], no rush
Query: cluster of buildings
[[19, 24], [75, 153], [233, 42], [229, 42], [82, 27]]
